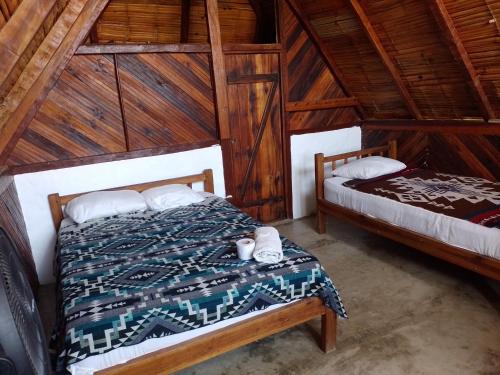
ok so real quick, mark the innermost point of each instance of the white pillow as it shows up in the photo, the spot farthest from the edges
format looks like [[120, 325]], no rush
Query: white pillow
[[104, 203], [370, 167], [170, 196]]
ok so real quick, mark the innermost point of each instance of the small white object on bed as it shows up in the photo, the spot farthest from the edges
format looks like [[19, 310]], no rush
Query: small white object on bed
[[104, 203], [170, 196], [369, 167], [268, 247]]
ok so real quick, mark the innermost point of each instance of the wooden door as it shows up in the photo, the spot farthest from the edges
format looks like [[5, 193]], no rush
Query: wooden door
[[253, 154]]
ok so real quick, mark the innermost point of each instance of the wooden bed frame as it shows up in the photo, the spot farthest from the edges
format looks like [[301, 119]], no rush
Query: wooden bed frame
[[204, 347], [484, 265]]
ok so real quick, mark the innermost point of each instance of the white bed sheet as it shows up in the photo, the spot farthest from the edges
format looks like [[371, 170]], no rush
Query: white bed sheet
[[123, 354], [451, 230]]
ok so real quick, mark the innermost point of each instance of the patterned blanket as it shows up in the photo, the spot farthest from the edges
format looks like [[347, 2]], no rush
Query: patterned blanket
[[468, 198], [128, 278]]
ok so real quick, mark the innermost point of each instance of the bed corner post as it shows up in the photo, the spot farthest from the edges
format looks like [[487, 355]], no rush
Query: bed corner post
[[56, 210], [208, 181], [328, 330], [393, 149], [319, 173]]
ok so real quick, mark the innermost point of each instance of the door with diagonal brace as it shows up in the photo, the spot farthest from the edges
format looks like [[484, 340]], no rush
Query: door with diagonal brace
[[253, 155]]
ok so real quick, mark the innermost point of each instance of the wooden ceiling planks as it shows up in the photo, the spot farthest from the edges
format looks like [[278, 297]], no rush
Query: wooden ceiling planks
[[7, 10], [478, 25], [356, 58], [20, 105], [412, 38]]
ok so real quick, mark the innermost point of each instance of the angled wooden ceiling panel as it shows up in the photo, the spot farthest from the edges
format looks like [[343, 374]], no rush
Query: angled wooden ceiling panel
[[80, 116], [362, 68], [412, 38], [167, 99], [310, 80], [478, 25]]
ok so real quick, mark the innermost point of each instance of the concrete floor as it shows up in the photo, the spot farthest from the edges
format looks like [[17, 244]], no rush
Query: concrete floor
[[409, 314]]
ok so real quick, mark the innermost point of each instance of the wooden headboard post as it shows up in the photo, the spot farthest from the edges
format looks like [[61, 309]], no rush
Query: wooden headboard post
[[393, 149], [56, 201], [319, 174]]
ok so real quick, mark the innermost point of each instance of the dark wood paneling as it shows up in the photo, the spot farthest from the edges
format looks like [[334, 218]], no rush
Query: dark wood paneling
[[253, 156], [11, 219], [444, 149], [310, 80], [167, 99], [467, 155], [412, 146], [79, 118]]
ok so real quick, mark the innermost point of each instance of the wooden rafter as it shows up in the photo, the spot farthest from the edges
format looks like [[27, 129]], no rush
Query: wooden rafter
[[321, 104], [386, 59], [457, 47], [48, 62], [325, 52], [219, 74], [185, 13]]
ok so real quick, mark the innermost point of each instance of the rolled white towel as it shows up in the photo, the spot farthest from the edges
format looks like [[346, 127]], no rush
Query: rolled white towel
[[268, 247]]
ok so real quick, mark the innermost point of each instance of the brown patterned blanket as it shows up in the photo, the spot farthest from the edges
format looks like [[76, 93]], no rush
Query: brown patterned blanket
[[468, 198]]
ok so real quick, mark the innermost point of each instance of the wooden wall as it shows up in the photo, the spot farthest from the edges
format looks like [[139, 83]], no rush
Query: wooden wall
[[11, 219], [456, 148], [153, 103]]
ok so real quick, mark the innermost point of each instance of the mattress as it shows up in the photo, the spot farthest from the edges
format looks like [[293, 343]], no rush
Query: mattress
[[453, 231], [131, 284]]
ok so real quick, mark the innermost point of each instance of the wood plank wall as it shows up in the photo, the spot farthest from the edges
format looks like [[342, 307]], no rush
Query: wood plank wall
[[154, 103], [310, 82], [11, 219], [455, 147]]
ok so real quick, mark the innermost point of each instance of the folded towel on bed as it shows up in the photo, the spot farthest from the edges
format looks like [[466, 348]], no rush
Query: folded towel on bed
[[268, 247]]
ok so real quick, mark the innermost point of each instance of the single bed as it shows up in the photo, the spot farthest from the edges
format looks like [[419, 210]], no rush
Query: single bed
[[465, 243], [155, 292]]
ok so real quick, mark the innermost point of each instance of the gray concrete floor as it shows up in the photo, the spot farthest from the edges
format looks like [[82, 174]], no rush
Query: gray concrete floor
[[409, 314]]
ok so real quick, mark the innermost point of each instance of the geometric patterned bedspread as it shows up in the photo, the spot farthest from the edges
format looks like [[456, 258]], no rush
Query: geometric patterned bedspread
[[128, 278], [468, 198]]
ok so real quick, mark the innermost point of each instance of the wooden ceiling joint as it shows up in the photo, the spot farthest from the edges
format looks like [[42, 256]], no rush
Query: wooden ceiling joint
[[325, 52], [386, 59], [457, 47]]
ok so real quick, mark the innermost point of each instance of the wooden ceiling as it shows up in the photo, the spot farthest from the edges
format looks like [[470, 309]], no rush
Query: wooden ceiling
[[403, 59]]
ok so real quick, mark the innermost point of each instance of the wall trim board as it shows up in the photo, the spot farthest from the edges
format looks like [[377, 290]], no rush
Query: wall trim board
[[435, 126], [324, 129], [56, 164], [33, 189]]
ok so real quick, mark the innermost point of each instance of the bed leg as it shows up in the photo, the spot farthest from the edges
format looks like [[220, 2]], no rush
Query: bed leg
[[328, 330], [320, 221]]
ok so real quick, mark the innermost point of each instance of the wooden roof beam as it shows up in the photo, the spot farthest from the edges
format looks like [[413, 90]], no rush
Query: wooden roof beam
[[445, 21], [325, 52], [386, 59], [48, 62], [17, 34]]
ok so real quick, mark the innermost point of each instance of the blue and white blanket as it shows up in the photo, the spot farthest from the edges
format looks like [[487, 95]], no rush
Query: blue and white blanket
[[127, 278]]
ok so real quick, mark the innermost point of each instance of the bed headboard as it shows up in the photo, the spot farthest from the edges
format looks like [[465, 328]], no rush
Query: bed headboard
[[390, 150], [57, 202]]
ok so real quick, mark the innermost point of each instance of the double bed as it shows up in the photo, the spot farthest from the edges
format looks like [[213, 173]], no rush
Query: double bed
[[437, 213], [157, 291]]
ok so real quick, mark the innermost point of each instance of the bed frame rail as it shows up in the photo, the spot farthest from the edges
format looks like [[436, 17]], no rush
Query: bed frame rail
[[57, 202]]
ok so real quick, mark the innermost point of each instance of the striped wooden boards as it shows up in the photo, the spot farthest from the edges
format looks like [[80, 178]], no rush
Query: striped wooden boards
[[310, 82], [153, 100], [448, 152]]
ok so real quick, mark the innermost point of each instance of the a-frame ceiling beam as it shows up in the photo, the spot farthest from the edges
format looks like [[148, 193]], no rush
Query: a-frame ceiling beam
[[185, 13], [386, 59], [324, 50], [458, 49], [48, 62], [17, 34]]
